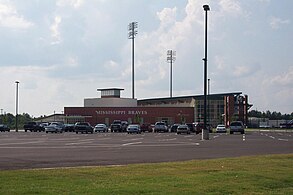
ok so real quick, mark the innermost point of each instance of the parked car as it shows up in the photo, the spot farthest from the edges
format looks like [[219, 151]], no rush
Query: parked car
[[133, 129], [146, 127], [236, 126], [221, 128], [4, 128], [200, 126], [101, 128], [174, 128], [83, 127], [33, 127], [44, 124], [160, 127], [69, 127], [55, 127], [116, 126], [183, 129], [192, 127], [287, 125], [124, 125]]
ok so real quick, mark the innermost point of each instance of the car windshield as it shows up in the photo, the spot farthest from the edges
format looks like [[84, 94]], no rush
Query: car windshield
[[133, 126], [236, 124], [82, 124], [221, 125], [182, 127]]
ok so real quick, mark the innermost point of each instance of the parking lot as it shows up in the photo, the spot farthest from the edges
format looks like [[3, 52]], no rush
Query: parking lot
[[20, 150]]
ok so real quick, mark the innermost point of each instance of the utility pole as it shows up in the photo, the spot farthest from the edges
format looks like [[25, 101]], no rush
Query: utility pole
[[171, 57], [205, 131], [131, 35]]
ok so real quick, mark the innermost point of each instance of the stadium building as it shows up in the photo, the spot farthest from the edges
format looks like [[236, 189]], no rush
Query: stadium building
[[221, 108]]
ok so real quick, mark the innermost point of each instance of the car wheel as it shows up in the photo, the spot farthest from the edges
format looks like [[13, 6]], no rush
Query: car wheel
[[76, 132]]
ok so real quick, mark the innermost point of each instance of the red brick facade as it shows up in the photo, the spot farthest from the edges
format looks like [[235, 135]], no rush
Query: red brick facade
[[151, 115]]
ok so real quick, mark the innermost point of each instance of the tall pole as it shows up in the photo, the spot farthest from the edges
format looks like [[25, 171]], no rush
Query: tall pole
[[205, 133], [171, 57], [209, 106], [131, 35], [16, 107]]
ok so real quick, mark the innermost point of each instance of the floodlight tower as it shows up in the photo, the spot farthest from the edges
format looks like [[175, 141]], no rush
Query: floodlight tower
[[171, 57], [16, 107], [205, 132], [132, 32]]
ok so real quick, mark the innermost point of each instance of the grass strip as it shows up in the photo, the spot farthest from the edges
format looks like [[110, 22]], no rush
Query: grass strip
[[270, 174]]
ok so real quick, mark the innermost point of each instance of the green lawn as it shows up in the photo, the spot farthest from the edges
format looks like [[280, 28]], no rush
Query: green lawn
[[246, 175]]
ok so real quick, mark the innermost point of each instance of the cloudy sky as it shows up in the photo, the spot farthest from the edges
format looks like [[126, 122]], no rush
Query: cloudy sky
[[61, 51]]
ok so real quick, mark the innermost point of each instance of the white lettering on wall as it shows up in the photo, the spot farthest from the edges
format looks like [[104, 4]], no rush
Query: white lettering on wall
[[121, 112]]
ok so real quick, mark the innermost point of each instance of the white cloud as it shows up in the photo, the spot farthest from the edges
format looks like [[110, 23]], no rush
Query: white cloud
[[220, 62], [231, 6], [167, 16], [55, 33], [72, 3], [286, 79], [241, 70], [10, 18], [276, 23]]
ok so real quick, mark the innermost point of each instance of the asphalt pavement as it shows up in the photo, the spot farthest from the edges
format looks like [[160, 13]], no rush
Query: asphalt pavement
[[28, 150]]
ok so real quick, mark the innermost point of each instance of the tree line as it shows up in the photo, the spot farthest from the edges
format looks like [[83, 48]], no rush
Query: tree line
[[10, 119], [270, 115]]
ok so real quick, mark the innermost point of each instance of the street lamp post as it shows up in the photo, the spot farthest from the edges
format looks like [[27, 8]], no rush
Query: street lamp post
[[131, 35], [16, 107], [205, 131], [171, 57], [209, 106]]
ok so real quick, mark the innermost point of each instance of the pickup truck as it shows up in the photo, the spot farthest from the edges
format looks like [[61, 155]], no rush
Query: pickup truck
[[160, 127], [33, 127], [119, 126]]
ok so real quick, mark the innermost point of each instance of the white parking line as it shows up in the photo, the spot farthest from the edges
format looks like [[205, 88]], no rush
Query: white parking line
[[283, 139], [134, 139], [20, 143], [78, 143], [133, 143], [85, 141]]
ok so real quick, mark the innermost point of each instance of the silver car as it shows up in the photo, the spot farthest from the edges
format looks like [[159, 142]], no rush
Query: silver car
[[133, 129], [55, 127], [221, 129], [101, 128], [183, 129]]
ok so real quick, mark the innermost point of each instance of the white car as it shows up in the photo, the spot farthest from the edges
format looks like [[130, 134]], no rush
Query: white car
[[101, 128], [183, 129], [221, 129], [133, 129]]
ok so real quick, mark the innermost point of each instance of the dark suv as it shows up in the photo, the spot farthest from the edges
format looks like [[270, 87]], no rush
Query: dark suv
[[236, 126], [83, 127]]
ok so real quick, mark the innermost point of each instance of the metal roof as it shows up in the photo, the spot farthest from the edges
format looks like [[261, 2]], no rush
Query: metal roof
[[191, 96]]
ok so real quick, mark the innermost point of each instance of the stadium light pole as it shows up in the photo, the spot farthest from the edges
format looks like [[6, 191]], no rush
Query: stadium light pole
[[205, 131], [131, 35], [16, 107], [171, 57], [209, 105]]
